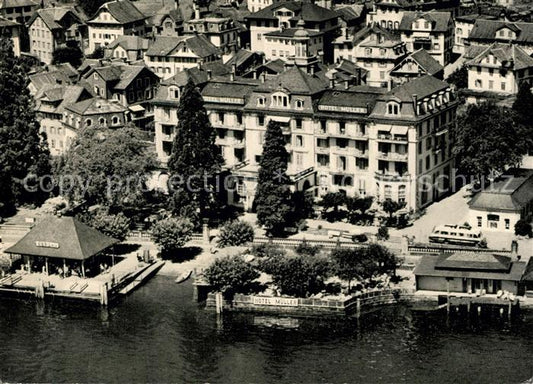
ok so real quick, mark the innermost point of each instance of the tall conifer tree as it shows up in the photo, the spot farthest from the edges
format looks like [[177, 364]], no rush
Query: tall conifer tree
[[195, 157], [23, 149], [273, 197]]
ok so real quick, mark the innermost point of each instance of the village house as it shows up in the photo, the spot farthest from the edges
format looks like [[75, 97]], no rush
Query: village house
[[130, 49], [11, 29], [52, 28], [273, 28], [113, 19], [95, 112], [220, 31], [487, 32], [500, 205], [463, 27], [133, 86], [374, 49], [169, 55], [19, 11], [498, 70], [168, 23], [416, 64], [432, 31]]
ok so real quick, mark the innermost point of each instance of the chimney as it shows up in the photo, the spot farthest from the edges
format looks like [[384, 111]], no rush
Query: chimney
[[312, 70], [209, 75], [254, 74], [263, 77], [176, 4], [332, 82], [232, 76], [514, 250], [346, 84], [415, 103], [389, 85], [200, 65], [196, 12]]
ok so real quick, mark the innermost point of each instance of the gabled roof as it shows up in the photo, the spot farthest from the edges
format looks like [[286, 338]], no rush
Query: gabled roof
[[7, 23], [95, 106], [426, 62], [109, 73], [17, 3], [53, 17], [295, 81], [350, 12], [505, 54], [305, 10], [439, 20], [129, 43], [474, 260], [62, 238], [129, 74], [198, 44], [511, 192], [485, 30], [378, 33], [43, 79], [124, 11]]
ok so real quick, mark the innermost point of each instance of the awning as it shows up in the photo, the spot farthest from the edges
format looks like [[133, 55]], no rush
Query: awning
[[440, 133], [137, 108], [280, 119], [400, 130], [384, 129]]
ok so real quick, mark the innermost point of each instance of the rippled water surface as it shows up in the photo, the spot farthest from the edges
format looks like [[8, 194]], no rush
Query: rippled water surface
[[158, 334]]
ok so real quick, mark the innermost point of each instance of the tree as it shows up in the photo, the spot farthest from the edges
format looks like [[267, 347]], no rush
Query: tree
[[231, 275], [117, 226], [299, 276], [332, 200], [24, 154], [90, 6], [235, 233], [195, 160], [391, 207], [306, 249], [302, 207], [383, 233], [107, 166], [272, 197], [487, 138], [72, 55], [523, 105], [348, 263], [171, 234], [98, 53], [459, 77], [357, 207], [523, 228]]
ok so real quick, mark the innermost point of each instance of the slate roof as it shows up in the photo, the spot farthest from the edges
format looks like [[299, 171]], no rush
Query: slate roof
[[198, 44], [424, 60], [74, 240], [129, 73], [289, 32], [306, 10], [485, 30], [510, 192], [130, 43], [350, 12], [124, 11], [95, 106], [7, 23], [421, 86], [227, 89], [474, 261], [17, 3], [350, 98], [295, 81], [372, 30], [439, 20], [42, 79], [504, 53], [428, 267], [53, 16]]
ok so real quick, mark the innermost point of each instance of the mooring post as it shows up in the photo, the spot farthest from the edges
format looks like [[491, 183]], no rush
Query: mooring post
[[205, 231], [218, 302], [358, 308]]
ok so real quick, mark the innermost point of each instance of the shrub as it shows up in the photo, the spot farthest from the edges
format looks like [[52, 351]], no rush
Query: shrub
[[383, 233], [267, 250], [306, 249], [231, 275], [235, 233], [482, 243], [117, 226], [172, 233], [361, 238], [523, 228]]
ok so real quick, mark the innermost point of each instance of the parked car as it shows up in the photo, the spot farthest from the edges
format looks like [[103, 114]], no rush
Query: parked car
[[455, 234]]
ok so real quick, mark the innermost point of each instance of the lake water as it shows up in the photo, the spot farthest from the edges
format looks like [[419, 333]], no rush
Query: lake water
[[157, 334]]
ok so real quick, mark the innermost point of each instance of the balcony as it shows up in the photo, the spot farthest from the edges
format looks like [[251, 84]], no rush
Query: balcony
[[324, 150], [393, 138], [392, 177], [360, 135], [392, 156], [319, 132], [342, 150], [361, 153]]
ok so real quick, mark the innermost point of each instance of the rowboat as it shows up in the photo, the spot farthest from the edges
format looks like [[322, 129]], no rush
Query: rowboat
[[184, 276]]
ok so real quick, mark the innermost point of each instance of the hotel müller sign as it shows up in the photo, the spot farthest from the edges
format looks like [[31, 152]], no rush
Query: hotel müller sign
[[279, 301], [46, 244]]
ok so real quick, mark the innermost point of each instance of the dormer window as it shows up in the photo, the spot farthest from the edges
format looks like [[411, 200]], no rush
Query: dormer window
[[174, 93], [280, 100], [261, 102], [299, 104], [393, 108]]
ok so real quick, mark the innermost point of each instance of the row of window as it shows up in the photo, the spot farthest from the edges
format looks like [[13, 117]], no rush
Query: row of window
[[40, 33], [493, 221], [41, 44], [478, 83], [12, 10]]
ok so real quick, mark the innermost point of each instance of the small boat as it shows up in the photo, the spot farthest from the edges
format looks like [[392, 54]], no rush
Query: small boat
[[184, 276]]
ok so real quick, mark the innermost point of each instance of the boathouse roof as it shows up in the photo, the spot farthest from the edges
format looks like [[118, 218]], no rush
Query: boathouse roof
[[62, 238]]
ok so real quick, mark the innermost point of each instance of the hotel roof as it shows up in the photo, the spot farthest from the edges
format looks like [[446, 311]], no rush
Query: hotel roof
[[295, 81], [421, 86], [62, 238]]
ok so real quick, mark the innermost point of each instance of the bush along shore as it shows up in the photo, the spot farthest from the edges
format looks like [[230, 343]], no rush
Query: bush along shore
[[306, 281]]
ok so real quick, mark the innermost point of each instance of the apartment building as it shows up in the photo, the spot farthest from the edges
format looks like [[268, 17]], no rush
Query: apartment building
[[222, 32], [19, 11], [169, 55], [432, 31], [499, 69], [463, 27], [320, 22], [113, 19], [51, 28], [372, 48]]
